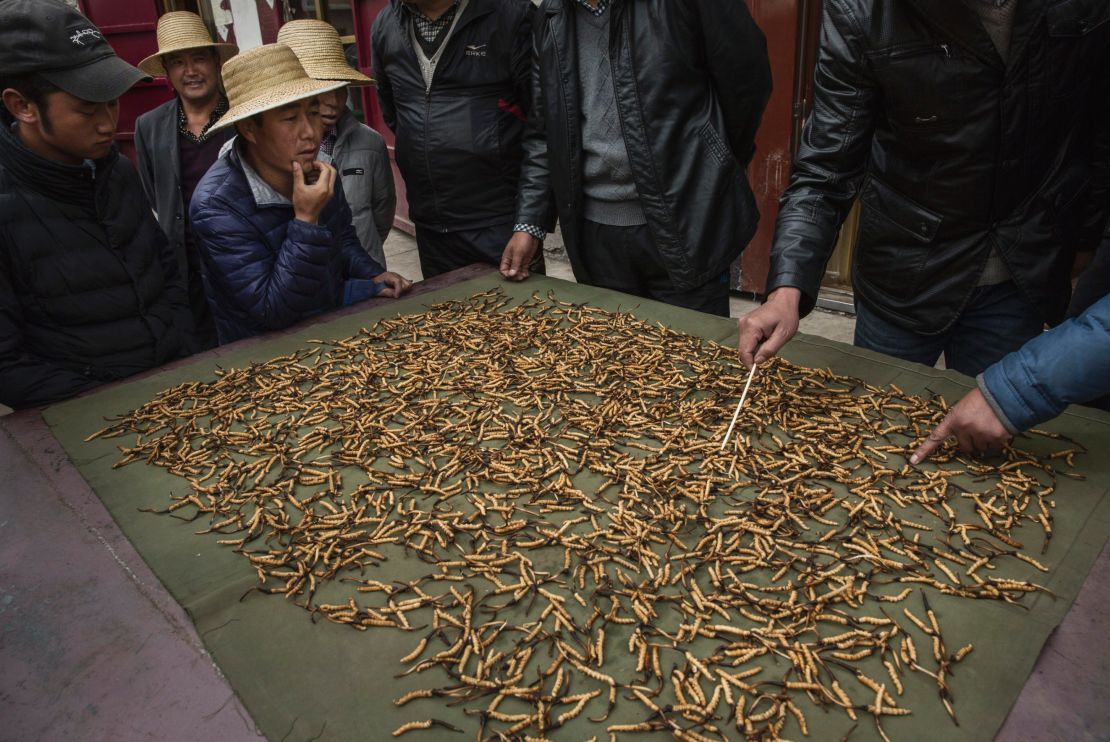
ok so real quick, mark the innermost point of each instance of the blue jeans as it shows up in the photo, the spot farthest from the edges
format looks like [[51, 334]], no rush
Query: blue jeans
[[997, 320]]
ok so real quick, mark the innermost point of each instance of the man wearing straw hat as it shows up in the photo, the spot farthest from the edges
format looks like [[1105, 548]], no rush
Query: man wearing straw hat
[[454, 85], [357, 151], [274, 229], [89, 289], [176, 145]]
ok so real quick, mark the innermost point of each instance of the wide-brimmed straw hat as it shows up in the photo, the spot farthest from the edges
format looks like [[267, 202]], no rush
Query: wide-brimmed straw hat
[[178, 31], [265, 78], [317, 45]]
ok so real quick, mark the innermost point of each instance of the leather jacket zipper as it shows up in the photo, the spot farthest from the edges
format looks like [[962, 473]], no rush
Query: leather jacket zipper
[[919, 51]]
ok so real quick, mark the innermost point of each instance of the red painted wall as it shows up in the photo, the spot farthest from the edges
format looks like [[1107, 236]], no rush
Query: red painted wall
[[769, 172], [364, 13]]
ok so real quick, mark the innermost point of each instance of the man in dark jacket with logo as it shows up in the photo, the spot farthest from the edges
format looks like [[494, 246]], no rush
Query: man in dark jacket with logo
[[175, 143], [89, 289], [274, 230], [645, 113], [975, 135], [453, 82]]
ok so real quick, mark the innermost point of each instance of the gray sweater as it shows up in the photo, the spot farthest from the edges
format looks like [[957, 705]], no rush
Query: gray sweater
[[610, 192], [997, 17]]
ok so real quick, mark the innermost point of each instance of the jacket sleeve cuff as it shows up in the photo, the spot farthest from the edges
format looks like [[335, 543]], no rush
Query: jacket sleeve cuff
[[316, 234], [544, 222], [538, 232], [1000, 413], [356, 290], [793, 279]]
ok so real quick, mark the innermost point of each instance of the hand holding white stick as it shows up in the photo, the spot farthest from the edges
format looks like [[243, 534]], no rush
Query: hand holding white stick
[[728, 433]]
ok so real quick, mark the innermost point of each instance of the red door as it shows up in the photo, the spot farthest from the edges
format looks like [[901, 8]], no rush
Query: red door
[[791, 34], [130, 28], [364, 12]]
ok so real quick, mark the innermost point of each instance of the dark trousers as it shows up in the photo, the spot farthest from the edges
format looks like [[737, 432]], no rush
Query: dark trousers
[[997, 320], [1093, 284], [626, 259], [441, 252], [204, 326]]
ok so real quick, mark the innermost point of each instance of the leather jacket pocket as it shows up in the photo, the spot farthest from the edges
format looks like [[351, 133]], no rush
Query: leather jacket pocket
[[928, 87], [1078, 30], [894, 240], [1075, 18], [905, 214]]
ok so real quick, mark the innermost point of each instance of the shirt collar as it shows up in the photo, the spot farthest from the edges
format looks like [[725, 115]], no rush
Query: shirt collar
[[183, 122], [415, 12], [327, 142], [264, 194], [602, 5]]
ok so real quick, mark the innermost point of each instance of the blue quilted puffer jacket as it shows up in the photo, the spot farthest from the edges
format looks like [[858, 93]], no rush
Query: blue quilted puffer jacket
[[1069, 363], [264, 269]]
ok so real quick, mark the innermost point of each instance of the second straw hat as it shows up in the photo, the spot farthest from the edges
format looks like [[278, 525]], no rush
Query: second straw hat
[[316, 43], [178, 31], [265, 78]]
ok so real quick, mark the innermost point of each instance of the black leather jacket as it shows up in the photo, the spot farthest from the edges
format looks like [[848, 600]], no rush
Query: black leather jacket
[[951, 152], [691, 79]]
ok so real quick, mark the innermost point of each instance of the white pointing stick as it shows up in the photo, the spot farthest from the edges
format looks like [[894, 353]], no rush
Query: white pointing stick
[[728, 433]]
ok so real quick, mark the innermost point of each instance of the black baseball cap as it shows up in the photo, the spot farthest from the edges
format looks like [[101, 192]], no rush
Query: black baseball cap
[[52, 39]]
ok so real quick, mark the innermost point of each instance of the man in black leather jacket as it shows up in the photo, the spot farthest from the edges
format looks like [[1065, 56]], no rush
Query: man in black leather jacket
[[644, 120], [975, 134]]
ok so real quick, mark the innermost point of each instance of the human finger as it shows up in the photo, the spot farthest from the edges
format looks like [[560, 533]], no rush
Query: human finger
[[771, 346], [932, 442], [518, 266], [327, 176]]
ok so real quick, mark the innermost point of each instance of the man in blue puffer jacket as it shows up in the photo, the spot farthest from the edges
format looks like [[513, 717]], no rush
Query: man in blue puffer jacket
[[275, 233], [1070, 363]]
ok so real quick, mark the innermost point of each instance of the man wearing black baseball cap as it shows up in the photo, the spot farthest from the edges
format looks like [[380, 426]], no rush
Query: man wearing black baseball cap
[[89, 290], [64, 48]]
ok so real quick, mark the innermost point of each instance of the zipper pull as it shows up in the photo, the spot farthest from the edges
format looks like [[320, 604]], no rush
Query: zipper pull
[[944, 48]]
